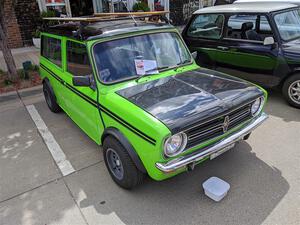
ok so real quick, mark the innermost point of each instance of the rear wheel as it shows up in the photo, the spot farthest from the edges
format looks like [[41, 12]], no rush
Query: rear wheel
[[291, 90], [119, 164], [50, 98]]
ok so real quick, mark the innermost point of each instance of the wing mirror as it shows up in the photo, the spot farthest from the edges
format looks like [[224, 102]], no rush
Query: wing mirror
[[269, 41], [195, 54], [84, 81]]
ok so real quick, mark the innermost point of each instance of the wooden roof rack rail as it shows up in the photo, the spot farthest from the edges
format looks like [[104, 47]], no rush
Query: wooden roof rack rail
[[120, 14]]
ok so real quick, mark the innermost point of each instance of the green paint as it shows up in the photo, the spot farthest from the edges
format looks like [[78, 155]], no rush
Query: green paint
[[144, 132]]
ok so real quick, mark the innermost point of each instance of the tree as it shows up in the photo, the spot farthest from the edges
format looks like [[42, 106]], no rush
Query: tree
[[9, 60]]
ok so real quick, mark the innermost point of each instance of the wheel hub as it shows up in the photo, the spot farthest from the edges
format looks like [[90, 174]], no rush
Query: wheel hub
[[294, 91], [114, 163]]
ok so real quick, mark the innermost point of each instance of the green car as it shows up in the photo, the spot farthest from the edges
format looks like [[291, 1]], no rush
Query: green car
[[134, 88]]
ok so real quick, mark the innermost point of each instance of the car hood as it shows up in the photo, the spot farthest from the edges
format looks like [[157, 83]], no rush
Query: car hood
[[184, 99]]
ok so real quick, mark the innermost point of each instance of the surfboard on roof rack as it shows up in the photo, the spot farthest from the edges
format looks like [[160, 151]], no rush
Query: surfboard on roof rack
[[99, 17], [98, 25]]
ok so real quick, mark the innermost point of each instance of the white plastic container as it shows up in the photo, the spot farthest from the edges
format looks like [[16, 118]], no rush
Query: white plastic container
[[215, 188]]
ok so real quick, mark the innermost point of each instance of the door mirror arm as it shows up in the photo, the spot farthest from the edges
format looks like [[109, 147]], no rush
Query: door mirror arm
[[195, 54], [93, 84]]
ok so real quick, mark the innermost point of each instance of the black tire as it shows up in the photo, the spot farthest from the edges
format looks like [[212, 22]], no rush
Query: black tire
[[50, 97], [131, 176], [291, 90]]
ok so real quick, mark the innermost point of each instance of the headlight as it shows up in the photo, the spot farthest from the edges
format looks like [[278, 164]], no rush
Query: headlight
[[257, 106], [175, 144]]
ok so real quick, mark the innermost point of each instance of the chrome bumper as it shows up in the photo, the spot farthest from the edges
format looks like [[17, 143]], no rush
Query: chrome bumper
[[197, 156]]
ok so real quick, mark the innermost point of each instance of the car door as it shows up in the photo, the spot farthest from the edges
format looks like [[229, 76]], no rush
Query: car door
[[83, 106], [242, 52], [203, 34]]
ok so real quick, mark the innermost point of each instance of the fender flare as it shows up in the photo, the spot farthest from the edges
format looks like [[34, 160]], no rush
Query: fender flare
[[126, 144], [293, 72], [47, 82]]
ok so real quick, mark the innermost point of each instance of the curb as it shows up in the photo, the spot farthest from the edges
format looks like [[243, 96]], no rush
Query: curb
[[12, 95]]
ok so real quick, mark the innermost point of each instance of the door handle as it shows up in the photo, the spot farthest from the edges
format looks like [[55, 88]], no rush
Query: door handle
[[223, 48]]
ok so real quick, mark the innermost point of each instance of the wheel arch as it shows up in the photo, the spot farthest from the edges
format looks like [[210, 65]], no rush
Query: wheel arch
[[46, 81], [294, 72], [114, 132]]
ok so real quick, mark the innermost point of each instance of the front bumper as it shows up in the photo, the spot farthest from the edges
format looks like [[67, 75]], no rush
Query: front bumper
[[195, 157]]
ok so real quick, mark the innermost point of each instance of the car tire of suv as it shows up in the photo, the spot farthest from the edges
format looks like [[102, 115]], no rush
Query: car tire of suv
[[50, 97], [291, 89], [116, 155]]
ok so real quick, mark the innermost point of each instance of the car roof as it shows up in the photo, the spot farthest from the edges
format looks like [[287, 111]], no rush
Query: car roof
[[296, 2], [253, 7], [104, 29]]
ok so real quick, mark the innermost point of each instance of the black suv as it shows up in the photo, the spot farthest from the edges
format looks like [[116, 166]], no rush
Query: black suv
[[259, 42]]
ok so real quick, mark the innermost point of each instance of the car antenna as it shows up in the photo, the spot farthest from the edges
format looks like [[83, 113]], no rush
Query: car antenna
[[132, 17]]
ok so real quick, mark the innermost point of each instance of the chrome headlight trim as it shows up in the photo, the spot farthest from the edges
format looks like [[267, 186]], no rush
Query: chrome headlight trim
[[179, 149], [258, 103]]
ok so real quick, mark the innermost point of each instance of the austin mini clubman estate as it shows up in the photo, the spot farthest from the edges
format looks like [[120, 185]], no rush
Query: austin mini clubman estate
[[132, 86]]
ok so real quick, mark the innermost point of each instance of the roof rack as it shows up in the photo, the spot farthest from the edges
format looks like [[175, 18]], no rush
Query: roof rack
[[104, 17], [76, 25]]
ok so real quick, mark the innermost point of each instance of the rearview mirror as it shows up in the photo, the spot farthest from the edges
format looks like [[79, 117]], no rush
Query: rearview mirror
[[195, 54], [82, 81], [269, 41]]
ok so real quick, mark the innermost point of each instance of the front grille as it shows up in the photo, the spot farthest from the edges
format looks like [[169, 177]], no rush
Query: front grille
[[214, 128]]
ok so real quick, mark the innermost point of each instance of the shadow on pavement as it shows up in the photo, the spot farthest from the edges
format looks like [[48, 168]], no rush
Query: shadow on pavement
[[256, 189], [278, 107]]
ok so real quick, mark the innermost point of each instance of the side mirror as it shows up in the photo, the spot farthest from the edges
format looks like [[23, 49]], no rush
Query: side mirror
[[195, 54], [84, 81], [269, 41]]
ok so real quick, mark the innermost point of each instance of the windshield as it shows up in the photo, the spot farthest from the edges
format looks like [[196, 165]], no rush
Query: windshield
[[288, 24], [117, 60]]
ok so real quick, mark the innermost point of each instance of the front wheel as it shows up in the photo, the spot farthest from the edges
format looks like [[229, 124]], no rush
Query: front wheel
[[119, 164], [291, 90]]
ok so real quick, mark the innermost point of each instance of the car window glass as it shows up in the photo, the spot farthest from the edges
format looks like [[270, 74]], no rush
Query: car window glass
[[288, 24], [207, 26], [51, 49], [248, 27], [115, 60], [77, 59]]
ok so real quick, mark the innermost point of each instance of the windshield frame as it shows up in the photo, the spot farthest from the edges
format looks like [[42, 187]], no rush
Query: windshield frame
[[136, 35], [276, 26]]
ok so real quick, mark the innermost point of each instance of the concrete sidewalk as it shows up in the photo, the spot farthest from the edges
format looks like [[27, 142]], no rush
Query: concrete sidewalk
[[21, 55]]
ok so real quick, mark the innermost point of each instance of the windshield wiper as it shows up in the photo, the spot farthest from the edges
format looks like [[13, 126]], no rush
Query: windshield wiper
[[147, 72]]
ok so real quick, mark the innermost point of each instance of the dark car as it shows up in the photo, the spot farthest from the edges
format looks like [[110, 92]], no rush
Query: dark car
[[259, 42]]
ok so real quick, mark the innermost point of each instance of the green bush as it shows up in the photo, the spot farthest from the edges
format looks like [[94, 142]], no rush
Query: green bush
[[140, 6]]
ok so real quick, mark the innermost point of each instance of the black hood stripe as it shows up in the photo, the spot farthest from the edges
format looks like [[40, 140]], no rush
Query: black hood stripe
[[102, 108]]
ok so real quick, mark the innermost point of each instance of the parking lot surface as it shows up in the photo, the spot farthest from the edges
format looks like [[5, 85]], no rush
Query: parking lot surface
[[263, 173]]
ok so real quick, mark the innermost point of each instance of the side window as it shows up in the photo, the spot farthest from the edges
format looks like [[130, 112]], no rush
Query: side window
[[77, 59], [248, 27], [51, 49], [207, 26]]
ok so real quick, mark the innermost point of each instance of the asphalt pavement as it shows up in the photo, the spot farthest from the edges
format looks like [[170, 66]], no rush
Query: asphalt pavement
[[264, 174]]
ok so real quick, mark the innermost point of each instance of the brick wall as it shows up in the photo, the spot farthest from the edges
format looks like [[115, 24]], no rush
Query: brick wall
[[20, 21], [12, 26], [27, 13]]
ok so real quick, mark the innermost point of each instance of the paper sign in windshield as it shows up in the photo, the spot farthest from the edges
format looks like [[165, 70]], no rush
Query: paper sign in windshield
[[145, 67]]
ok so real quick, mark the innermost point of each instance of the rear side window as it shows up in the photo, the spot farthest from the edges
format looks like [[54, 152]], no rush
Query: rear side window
[[77, 59], [248, 27], [207, 26], [51, 49]]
